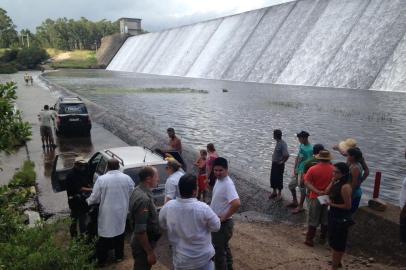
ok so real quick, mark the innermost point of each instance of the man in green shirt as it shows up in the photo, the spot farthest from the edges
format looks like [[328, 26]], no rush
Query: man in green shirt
[[144, 220], [305, 152]]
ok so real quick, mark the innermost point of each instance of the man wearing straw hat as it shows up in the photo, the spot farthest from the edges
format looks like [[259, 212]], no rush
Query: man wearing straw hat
[[317, 180]]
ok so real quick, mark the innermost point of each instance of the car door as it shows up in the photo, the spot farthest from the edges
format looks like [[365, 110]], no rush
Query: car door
[[101, 168], [62, 166]]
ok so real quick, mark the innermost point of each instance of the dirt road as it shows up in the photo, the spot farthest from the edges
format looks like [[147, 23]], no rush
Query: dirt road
[[263, 246]]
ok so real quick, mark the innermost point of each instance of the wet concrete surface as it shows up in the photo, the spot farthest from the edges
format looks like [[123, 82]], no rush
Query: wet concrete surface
[[31, 100]]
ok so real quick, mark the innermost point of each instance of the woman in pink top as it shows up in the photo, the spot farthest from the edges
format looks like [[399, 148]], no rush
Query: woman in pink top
[[211, 156]]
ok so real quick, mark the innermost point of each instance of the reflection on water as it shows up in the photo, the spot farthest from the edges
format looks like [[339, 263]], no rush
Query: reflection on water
[[240, 122]]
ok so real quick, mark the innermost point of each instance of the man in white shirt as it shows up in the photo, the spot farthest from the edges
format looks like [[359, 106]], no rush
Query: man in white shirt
[[175, 173], [45, 118], [189, 223], [112, 192], [225, 202]]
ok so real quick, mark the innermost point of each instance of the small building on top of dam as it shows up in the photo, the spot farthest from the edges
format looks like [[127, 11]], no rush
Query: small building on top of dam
[[130, 26]]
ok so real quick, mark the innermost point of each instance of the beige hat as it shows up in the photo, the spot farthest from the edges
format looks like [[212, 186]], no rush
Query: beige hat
[[347, 144], [324, 155], [80, 159]]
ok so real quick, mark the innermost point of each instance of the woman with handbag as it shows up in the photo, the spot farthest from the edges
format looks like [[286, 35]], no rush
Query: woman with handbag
[[339, 215]]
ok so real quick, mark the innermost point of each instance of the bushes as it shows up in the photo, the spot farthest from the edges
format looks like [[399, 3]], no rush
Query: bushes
[[46, 246], [31, 57], [7, 68], [40, 249], [25, 58], [14, 131]]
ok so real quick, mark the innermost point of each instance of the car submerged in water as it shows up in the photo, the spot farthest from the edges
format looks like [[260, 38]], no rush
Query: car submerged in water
[[71, 116], [131, 159]]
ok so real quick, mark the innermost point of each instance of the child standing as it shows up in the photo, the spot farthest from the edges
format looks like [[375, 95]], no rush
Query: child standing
[[202, 176]]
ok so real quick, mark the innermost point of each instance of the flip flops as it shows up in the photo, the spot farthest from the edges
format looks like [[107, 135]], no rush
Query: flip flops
[[297, 210], [292, 205]]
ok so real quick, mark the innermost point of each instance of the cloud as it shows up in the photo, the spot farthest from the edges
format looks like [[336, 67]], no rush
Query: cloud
[[156, 14]]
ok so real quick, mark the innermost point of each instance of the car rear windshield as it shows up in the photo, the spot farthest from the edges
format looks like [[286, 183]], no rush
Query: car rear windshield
[[75, 108], [133, 173]]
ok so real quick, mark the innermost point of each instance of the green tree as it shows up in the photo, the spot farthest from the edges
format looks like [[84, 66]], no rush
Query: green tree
[[8, 34], [14, 131], [31, 57], [72, 34]]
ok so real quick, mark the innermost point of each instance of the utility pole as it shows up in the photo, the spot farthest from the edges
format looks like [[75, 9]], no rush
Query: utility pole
[[95, 43], [28, 40]]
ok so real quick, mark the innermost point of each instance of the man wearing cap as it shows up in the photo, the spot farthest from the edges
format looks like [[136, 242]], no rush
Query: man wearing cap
[[175, 172], [112, 192], [305, 152], [78, 188], [317, 179], [190, 237], [144, 220]]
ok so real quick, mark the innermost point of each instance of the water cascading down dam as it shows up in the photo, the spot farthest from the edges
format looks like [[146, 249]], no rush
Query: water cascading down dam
[[333, 43]]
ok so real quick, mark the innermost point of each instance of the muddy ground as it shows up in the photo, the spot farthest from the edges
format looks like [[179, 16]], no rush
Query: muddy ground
[[261, 246]]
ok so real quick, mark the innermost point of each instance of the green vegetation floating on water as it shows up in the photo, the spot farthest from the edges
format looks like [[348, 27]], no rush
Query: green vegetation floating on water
[[46, 245], [114, 91], [287, 104]]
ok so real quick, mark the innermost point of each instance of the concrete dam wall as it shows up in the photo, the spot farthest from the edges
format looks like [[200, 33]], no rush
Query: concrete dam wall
[[333, 43]]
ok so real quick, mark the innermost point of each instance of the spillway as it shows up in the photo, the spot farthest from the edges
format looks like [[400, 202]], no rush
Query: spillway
[[358, 44]]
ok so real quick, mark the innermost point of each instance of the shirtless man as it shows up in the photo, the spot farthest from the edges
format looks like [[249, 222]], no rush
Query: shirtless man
[[174, 142]]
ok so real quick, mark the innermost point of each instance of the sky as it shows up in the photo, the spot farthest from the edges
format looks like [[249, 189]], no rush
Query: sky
[[156, 15]]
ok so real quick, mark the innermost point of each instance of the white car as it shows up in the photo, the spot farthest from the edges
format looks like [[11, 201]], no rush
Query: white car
[[131, 158]]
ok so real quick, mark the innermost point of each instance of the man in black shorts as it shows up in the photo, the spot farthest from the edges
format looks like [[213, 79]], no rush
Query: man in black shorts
[[279, 157]]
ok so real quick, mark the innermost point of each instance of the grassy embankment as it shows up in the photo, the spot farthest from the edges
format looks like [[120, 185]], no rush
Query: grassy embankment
[[72, 59], [44, 246]]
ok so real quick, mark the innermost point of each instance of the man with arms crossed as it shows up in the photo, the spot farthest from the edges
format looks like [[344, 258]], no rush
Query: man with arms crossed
[[225, 202], [144, 220], [190, 237]]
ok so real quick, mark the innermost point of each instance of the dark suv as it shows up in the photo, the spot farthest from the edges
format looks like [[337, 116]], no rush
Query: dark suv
[[71, 116]]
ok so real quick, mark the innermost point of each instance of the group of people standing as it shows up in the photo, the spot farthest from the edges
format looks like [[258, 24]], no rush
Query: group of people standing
[[28, 79], [198, 232], [332, 191]]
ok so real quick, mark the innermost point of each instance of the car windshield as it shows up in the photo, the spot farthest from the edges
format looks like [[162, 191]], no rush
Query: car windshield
[[72, 108], [133, 173]]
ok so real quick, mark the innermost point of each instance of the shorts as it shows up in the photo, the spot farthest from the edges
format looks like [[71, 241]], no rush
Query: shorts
[[277, 175], [45, 131], [318, 214], [202, 182], [295, 182], [338, 232]]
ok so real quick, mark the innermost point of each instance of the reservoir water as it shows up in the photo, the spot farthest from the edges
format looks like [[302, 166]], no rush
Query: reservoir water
[[240, 122]]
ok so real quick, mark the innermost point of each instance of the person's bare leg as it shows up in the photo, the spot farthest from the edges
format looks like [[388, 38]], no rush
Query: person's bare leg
[[337, 257]]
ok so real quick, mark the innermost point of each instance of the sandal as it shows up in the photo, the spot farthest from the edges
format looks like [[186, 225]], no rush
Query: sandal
[[273, 195], [292, 205], [297, 210]]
